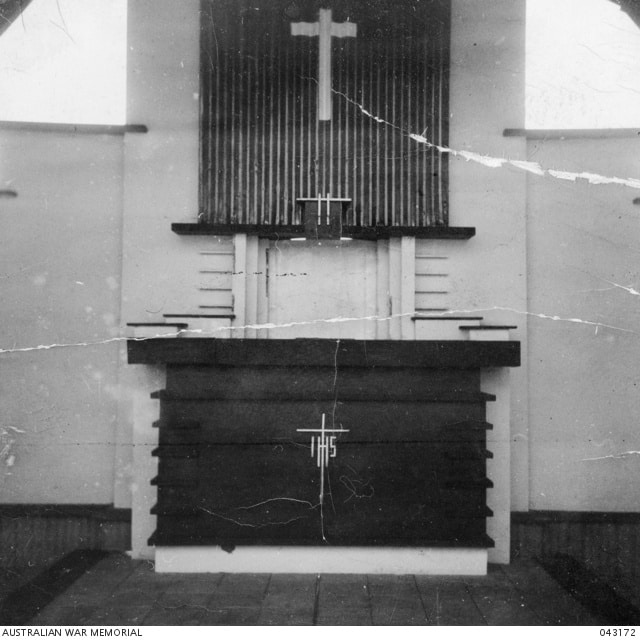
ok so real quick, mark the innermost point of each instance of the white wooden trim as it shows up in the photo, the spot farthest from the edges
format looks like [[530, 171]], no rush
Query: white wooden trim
[[383, 304], [239, 283], [407, 287], [251, 279], [395, 287]]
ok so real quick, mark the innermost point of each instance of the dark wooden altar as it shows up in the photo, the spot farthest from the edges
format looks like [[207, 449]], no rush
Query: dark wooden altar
[[410, 459]]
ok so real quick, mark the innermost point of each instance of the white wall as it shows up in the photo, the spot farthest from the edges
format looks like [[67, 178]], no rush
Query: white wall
[[585, 376], [489, 270], [160, 187], [60, 284]]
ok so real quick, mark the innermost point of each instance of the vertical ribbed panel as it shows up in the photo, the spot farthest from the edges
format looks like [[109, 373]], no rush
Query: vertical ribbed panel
[[39, 541], [611, 550], [262, 145]]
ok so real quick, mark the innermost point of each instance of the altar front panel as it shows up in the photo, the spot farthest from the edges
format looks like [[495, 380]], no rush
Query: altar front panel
[[407, 467]]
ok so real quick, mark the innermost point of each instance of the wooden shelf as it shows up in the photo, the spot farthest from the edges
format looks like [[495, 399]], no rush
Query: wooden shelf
[[571, 134], [63, 127], [284, 232], [445, 317], [228, 316], [487, 327]]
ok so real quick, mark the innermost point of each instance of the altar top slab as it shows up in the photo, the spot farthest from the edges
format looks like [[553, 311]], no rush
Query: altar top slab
[[312, 352]]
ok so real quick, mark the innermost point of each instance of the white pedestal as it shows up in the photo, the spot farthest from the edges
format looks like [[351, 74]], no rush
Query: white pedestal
[[369, 560]]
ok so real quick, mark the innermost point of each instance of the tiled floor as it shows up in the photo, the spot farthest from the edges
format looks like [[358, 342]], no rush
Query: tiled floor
[[119, 591]]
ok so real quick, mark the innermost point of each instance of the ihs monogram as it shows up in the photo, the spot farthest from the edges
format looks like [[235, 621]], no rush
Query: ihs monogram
[[323, 446]]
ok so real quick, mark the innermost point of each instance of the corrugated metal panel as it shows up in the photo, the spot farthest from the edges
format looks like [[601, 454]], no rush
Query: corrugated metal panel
[[262, 145]]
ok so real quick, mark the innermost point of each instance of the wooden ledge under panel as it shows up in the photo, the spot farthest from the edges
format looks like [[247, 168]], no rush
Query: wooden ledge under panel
[[284, 232]]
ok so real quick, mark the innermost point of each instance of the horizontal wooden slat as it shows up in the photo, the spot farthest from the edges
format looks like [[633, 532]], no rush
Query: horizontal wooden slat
[[284, 395], [318, 383], [241, 421]]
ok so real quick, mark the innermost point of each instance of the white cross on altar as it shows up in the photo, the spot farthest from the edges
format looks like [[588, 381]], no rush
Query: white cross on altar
[[325, 29], [324, 447]]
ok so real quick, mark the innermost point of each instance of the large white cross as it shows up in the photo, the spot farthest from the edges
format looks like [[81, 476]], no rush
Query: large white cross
[[325, 29]]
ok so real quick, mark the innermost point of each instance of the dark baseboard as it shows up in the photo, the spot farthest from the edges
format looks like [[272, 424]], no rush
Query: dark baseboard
[[591, 591], [581, 517], [21, 605], [37, 535], [601, 544], [106, 512]]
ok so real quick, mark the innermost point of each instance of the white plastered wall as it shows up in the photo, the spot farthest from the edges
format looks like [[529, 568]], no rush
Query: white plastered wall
[[584, 271], [59, 285]]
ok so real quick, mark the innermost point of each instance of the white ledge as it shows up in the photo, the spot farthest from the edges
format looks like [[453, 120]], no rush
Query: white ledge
[[370, 560], [63, 127], [570, 134]]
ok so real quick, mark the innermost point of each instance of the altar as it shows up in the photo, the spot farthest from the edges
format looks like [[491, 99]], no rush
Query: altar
[[326, 389], [312, 455]]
